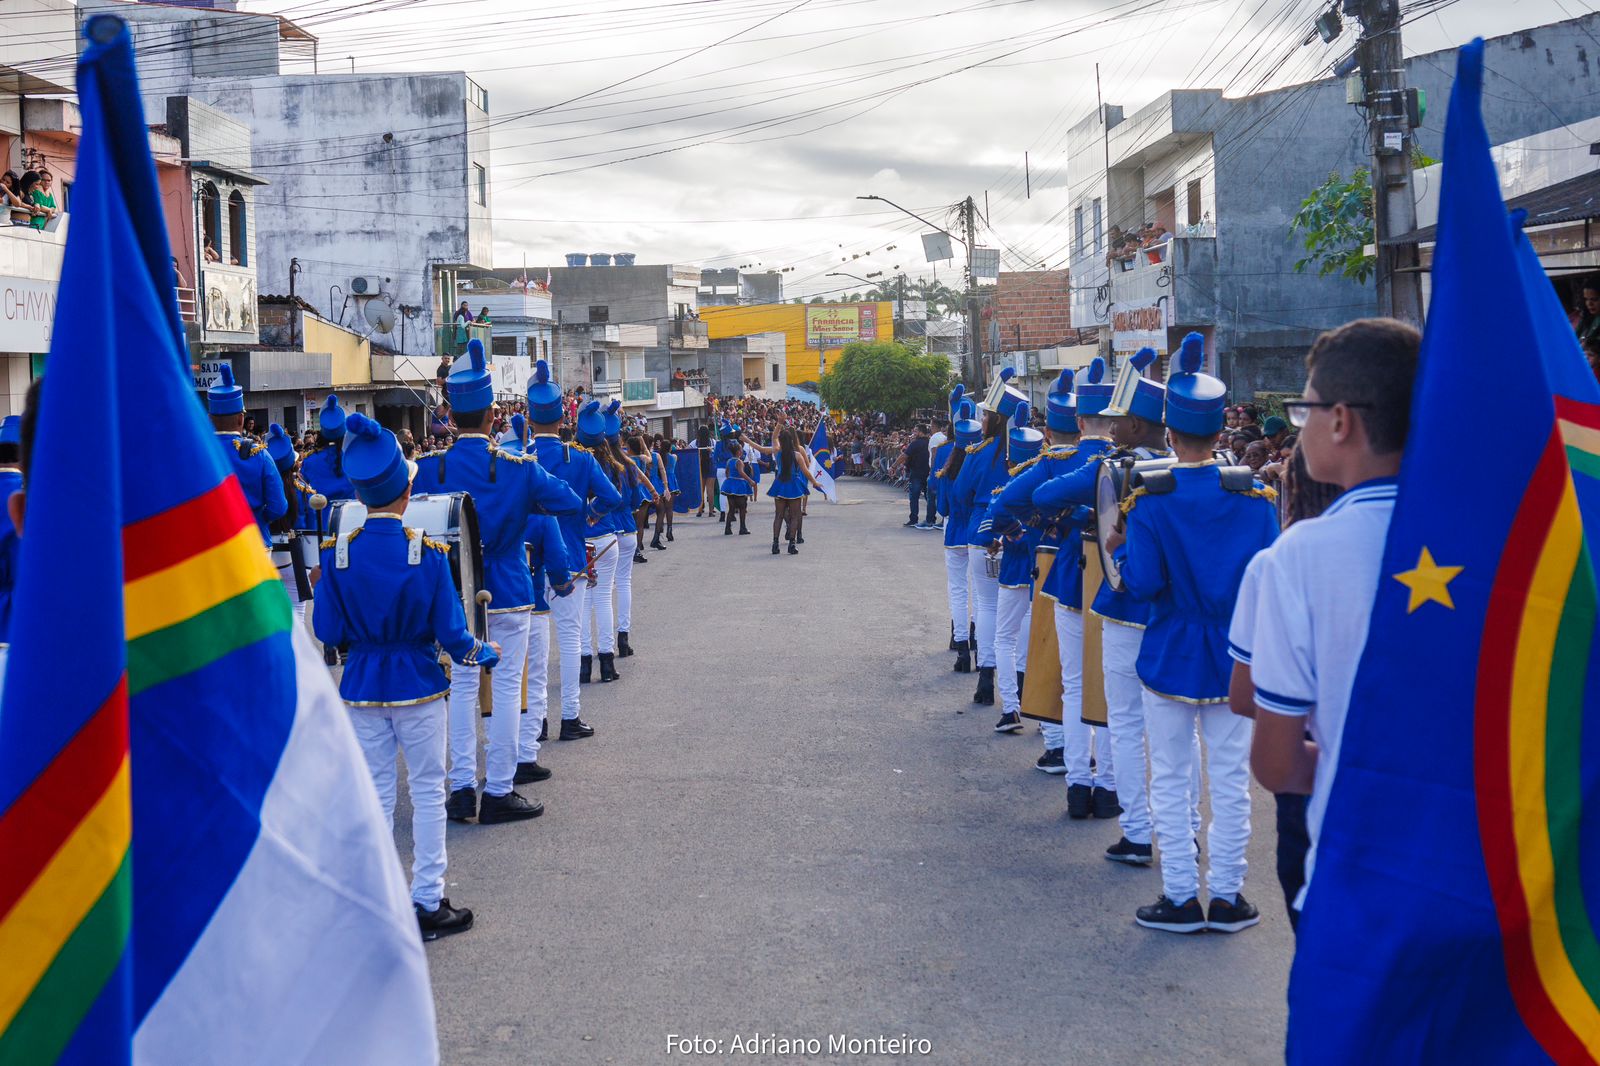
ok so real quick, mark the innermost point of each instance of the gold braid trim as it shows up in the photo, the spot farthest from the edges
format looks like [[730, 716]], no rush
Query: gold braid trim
[[974, 449], [301, 485], [329, 542], [575, 446], [436, 545], [1127, 504], [247, 448], [1266, 492]]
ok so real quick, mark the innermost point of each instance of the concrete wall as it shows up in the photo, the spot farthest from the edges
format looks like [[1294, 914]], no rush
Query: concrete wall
[[351, 352]]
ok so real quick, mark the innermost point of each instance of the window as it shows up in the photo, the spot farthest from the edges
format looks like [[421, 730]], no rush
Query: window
[[1099, 230], [1077, 229], [480, 185], [774, 371], [544, 349], [1194, 203], [477, 95], [599, 366], [503, 345], [599, 313], [238, 236], [210, 223]]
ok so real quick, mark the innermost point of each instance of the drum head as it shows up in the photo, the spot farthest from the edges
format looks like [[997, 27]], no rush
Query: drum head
[[345, 516], [1107, 510], [451, 517]]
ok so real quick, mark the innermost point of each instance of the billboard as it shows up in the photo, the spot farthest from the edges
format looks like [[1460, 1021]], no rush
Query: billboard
[[1139, 324], [834, 326]]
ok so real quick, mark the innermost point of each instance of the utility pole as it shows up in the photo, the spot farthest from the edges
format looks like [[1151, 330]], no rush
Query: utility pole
[[972, 372], [1394, 211]]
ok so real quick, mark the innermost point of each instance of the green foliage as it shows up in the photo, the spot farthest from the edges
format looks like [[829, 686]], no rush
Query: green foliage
[[1336, 224], [891, 376]]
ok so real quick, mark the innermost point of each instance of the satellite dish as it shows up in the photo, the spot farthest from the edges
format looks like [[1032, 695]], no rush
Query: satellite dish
[[380, 316]]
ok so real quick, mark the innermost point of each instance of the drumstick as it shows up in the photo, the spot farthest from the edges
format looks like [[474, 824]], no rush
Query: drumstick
[[483, 599]]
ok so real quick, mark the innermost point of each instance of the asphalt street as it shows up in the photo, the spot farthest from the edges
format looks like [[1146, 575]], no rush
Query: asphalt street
[[786, 826]]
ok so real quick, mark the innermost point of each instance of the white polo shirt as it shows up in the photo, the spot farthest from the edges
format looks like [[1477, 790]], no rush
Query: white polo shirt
[[1301, 624]]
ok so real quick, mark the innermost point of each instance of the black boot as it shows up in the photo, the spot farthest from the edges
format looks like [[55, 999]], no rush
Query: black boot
[[575, 729], [985, 693], [669, 534], [585, 669], [462, 806], [655, 542], [963, 658], [792, 549], [639, 556], [624, 649], [774, 545], [608, 667], [727, 526], [443, 920], [743, 532]]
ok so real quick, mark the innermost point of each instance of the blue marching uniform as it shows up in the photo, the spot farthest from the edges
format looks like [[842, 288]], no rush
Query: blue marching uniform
[[263, 488], [792, 487], [324, 472], [734, 483]]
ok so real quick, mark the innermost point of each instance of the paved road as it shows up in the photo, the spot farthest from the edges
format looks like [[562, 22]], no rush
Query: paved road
[[784, 826]]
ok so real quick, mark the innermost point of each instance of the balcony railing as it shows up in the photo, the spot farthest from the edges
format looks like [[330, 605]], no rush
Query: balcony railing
[[188, 305], [690, 333], [642, 390], [1180, 273], [452, 339]]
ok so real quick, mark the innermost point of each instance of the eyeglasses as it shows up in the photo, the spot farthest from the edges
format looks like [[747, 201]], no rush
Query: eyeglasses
[[1299, 411]]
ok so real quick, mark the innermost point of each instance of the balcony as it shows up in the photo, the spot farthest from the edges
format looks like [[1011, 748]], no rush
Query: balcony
[[639, 391], [689, 333], [1179, 278], [452, 340]]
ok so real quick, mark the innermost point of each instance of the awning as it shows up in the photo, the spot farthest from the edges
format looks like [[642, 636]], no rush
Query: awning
[[1573, 200]]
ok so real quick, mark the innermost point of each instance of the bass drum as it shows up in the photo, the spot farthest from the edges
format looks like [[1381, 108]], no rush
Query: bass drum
[[1118, 478], [449, 517]]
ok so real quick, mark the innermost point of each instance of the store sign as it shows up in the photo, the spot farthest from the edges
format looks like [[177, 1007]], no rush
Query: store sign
[[838, 325], [1141, 324], [208, 372], [27, 310]]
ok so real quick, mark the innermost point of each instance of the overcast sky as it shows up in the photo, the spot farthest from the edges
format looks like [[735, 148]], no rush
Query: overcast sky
[[767, 118]]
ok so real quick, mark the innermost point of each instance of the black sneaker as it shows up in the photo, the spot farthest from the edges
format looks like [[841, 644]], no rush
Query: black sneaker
[[1105, 803], [508, 808], [1051, 762], [1170, 917], [462, 806], [911, 524], [575, 729], [1008, 723], [1078, 802], [1126, 851], [443, 920], [529, 772], [1227, 917]]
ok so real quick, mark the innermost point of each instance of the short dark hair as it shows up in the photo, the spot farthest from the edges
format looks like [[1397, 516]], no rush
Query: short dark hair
[[1371, 362], [1193, 440], [30, 424], [471, 420]]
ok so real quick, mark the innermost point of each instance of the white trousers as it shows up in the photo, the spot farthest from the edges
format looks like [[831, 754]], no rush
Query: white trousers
[[598, 604], [1013, 620], [985, 590], [1119, 650], [627, 544], [538, 674], [955, 578], [510, 631], [1175, 792], [418, 732], [1080, 741], [566, 614]]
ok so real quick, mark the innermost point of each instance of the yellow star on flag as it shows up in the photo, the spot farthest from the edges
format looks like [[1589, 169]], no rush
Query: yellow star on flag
[[1428, 581]]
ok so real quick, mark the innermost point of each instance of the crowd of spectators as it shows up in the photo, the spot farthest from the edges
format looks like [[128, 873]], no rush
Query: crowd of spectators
[[1125, 246]]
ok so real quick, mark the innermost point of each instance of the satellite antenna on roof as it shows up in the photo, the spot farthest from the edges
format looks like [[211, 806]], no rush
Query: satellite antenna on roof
[[380, 316]]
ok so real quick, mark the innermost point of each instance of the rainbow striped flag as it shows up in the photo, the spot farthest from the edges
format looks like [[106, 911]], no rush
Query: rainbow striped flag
[[195, 865], [1453, 911]]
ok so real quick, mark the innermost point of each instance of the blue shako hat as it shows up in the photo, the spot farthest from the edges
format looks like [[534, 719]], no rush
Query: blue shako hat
[[518, 443], [1026, 442], [331, 418], [956, 395], [1093, 391], [1195, 400], [373, 463], [968, 429], [280, 448], [613, 413], [11, 430], [1061, 408], [725, 430], [544, 396], [591, 425], [225, 398], [1134, 394], [470, 386], [1002, 398]]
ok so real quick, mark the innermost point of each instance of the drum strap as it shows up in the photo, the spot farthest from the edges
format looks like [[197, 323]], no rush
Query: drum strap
[[1237, 478], [302, 579], [413, 547]]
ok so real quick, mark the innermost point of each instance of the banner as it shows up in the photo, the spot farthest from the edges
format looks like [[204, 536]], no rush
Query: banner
[[1141, 324], [835, 325]]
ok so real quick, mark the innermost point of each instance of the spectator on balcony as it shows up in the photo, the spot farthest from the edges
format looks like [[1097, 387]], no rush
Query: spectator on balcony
[[40, 199], [461, 320], [679, 380], [11, 197], [211, 253], [177, 275], [483, 316]]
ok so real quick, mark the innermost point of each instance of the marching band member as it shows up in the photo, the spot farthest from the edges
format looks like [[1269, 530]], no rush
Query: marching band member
[[1014, 598], [323, 469], [603, 545], [553, 577], [982, 472], [10, 482], [386, 593], [577, 467], [280, 449], [939, 489], [628, 547], [738, 485], [967, 431], [1190, 532], [515, 439], [263, 487], [1063, 589], [1136, 430], [708, 473], [506, 489], [788, 489]]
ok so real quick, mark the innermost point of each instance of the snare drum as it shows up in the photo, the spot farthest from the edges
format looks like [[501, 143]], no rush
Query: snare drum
[[1118, 477], [447, 516]]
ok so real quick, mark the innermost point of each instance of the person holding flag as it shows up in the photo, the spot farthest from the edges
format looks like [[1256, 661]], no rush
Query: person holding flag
[[822, 463], [196, 866], [1464, 930]]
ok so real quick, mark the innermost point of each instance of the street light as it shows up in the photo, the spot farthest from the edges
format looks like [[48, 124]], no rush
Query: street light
[[842, 274], [919, 218], [969, 373]]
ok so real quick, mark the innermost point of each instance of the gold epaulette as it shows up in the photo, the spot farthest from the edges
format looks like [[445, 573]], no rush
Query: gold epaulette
[[1067, 452], [578, 447], [328, 542], [974, 449], [1265, 492], [301, 485], [436, 545], [1127, 504], [248, 448]]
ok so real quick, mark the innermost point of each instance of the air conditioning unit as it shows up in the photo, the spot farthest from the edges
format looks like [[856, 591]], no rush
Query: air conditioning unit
[[364, 286]]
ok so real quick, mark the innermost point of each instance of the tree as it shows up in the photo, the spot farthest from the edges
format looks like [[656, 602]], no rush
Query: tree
[[891, 376], [1337, 223]]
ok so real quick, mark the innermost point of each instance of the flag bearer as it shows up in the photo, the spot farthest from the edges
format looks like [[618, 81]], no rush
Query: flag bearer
[[1190, 533], [386, 594], [263, 487]]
